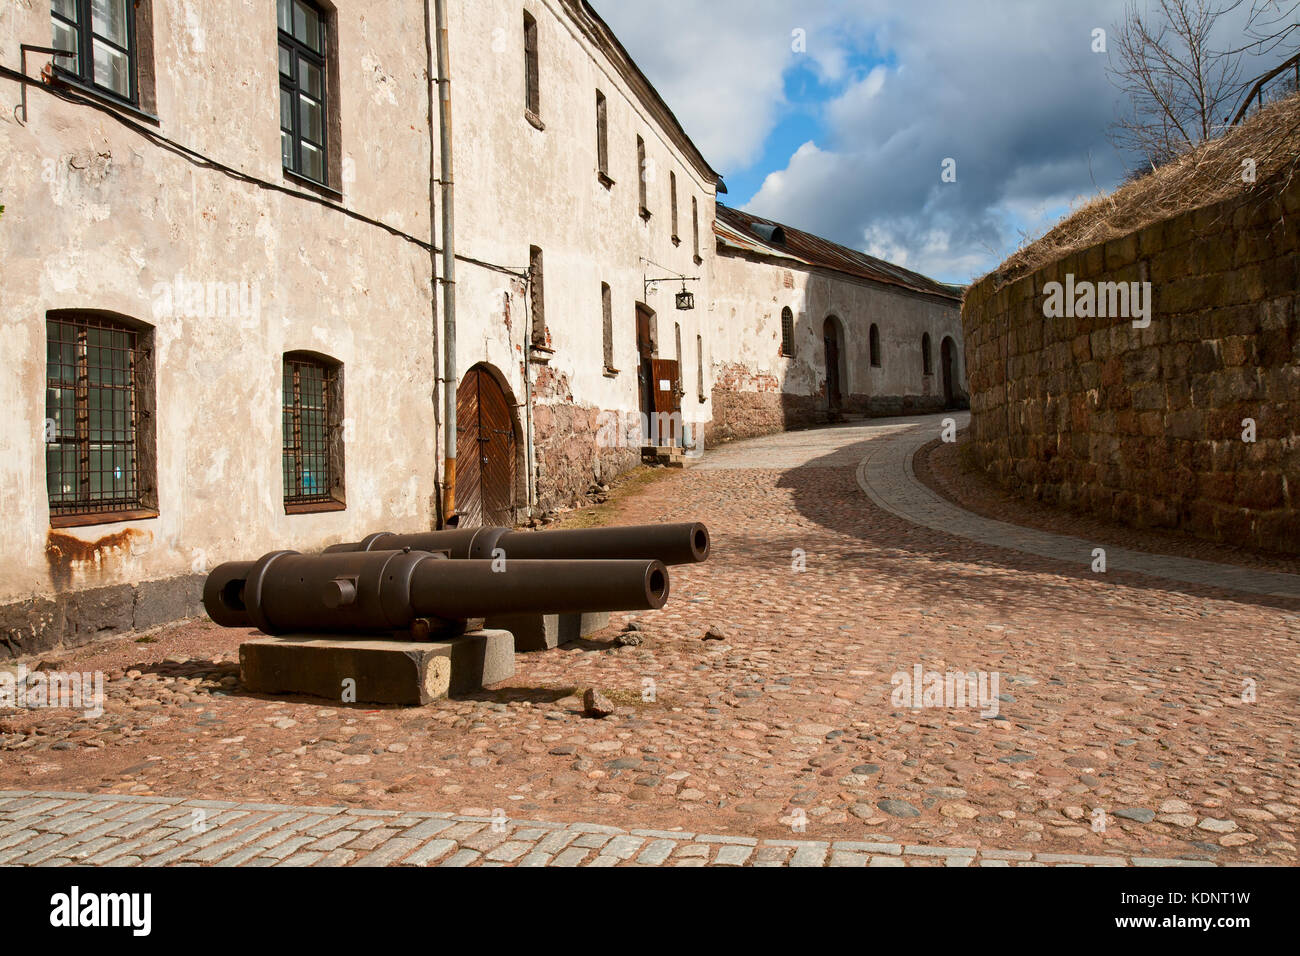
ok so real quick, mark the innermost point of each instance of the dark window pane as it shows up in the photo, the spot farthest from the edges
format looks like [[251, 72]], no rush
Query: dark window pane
[[109, 20], [310, 121], [307, 26], [65, 38], [313, 162], [310, 78], [112, 69]]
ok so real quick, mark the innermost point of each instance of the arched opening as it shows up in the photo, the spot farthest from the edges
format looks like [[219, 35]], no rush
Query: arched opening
[[927, 362], [948, 361], [874, 342], [834, 346], [787, 332], [487, 450]]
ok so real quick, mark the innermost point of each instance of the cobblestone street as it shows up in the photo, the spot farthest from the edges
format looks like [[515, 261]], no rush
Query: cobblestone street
[[1145, 713]]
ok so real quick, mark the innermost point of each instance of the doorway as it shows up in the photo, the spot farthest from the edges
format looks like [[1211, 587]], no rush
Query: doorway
[[948, 360], [486, 449], [831, 339]]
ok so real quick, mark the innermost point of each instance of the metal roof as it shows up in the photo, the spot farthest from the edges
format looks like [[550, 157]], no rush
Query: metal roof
[[750, 233]]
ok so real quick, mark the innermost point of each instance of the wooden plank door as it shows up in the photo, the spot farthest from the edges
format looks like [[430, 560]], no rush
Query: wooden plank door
[[667, 400], [486, 446]]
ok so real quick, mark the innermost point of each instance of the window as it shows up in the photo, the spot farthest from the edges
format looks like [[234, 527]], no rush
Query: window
[[699, 366], [681, 359], [538, 296], [602, 140], [313, 433], [672, 195], [532, 76], [303, 35], [874, 340], [926, 364], [99, 451], [695, 227], [101, 37], [643, 176], [787, 332], [607, 325]]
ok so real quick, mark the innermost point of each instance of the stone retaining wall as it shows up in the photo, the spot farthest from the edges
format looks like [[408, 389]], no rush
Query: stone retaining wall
[[1148, 426]]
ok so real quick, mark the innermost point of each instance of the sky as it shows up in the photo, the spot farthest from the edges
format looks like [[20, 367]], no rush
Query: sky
[[837, 116]]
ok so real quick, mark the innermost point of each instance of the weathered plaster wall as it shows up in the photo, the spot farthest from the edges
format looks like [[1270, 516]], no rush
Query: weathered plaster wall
[[97, 217], [758, 389], [1147, 425], [518, 186]]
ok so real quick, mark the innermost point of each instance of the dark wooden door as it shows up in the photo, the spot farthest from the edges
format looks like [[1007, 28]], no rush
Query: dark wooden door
[[645, 348], [667, 402], [485, 452], [831, 338], [946, 360]]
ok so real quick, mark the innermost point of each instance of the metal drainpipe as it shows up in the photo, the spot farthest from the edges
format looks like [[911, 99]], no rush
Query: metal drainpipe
[[531, 452], [431, 70], [448, 265]]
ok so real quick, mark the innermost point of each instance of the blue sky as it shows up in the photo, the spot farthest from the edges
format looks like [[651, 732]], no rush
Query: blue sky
[[835, 116]]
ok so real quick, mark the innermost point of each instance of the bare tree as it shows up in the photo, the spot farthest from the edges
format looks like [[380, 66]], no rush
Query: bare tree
[[1273, 24], [1179, 86]]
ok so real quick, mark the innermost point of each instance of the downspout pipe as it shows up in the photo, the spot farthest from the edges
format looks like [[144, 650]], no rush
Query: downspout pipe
[[448, 267]]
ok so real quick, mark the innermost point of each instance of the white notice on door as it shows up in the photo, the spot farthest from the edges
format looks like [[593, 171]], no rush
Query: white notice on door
[[665, 385]]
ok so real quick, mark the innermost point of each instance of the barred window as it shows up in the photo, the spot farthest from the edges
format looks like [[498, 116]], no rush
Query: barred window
[[303, 35], [313, 433], [787, 332], [98, 419], [927, 364], [873, 340], [100, 38]]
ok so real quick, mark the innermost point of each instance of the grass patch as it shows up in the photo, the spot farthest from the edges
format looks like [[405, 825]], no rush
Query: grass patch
[[626, 485]]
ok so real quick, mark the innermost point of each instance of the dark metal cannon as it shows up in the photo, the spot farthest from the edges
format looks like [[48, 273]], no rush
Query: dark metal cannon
[[368, 592], [670, 544]]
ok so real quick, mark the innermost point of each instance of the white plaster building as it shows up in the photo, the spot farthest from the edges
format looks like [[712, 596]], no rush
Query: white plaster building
[[222, 293]]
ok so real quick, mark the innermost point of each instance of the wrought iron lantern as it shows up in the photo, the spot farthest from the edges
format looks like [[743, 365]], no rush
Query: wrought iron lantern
[[685, 300]]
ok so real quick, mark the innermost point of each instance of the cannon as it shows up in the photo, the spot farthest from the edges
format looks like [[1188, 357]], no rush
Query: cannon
[[686, 543], [378, 591]]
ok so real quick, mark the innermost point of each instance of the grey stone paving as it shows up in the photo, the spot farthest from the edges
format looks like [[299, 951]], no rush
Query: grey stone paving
[[80, 829], [885, 474], [883, 448]]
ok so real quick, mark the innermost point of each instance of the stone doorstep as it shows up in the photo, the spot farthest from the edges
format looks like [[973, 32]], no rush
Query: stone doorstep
[[385, 671], [544, 632]]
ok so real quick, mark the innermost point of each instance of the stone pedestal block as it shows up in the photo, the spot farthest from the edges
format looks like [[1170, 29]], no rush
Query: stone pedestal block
[[381, 671], [541, 632]]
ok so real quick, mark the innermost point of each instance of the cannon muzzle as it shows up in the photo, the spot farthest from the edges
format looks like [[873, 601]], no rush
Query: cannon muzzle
[[686, 543], [377, 591]]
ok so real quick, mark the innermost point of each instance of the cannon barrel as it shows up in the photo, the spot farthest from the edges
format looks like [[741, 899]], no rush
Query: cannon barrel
[[377, 591], [686, 543]]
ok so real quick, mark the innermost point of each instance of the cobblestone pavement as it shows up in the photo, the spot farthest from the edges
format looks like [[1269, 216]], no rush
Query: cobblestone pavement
[[71, 829], [1136, 717]]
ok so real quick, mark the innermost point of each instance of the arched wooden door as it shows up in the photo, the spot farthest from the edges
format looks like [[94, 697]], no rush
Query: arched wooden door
[[485, 452]]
